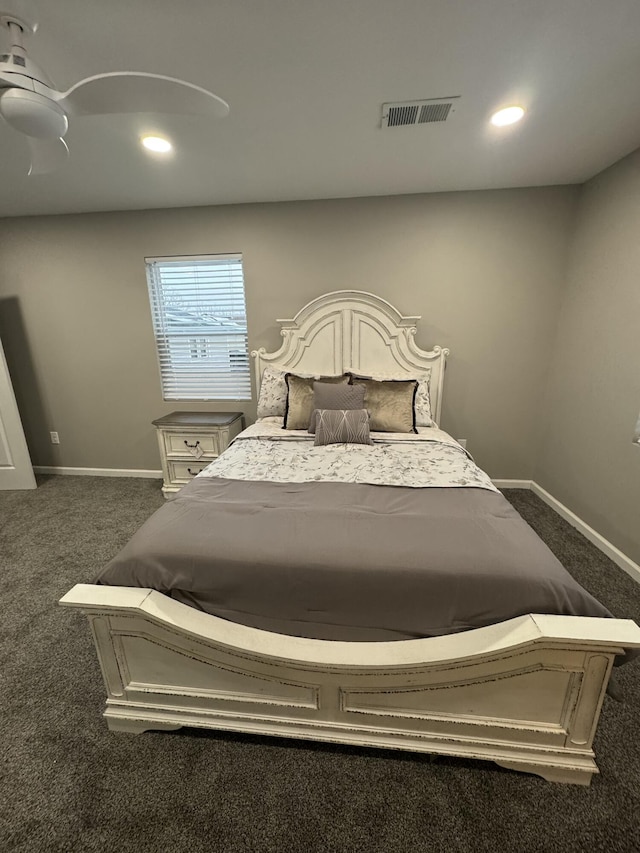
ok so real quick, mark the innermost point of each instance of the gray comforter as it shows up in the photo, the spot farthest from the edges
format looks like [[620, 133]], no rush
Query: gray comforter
[[348, 561]]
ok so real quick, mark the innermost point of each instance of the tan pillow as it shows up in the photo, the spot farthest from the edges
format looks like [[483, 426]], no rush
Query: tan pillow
[[422, 402], [300, 398], [390, 404]]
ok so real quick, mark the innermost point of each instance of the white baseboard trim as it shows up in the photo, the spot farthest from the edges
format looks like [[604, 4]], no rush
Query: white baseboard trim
[[512, 484], [613, 553], [98, 472]]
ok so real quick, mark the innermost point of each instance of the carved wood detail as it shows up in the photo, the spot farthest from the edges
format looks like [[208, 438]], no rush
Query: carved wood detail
[[525, 694], [354, 330]]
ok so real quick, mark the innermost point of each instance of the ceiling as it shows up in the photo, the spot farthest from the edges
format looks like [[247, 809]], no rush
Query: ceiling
[[306, 79]]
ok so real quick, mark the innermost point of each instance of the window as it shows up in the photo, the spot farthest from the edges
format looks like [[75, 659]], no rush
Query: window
[[636, 435], [200, 323]]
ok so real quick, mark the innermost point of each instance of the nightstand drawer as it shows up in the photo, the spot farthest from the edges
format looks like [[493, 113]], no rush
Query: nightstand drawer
[[184, 443], [183, 471]]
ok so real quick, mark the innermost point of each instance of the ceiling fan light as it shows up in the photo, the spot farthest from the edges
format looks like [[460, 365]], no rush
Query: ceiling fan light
[[33, 114], [157, 144], [508, 115]]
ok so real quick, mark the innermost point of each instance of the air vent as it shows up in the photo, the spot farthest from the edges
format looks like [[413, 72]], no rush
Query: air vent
[[410, 113]]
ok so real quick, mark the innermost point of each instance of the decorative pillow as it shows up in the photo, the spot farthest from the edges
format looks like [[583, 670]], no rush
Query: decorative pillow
[[422, 403], [328, 395], [299, 406], [390, 403], [272, 400], [342, 426]]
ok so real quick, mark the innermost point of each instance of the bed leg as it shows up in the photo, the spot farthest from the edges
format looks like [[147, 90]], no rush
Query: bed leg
[[137, 727], [568, 775]]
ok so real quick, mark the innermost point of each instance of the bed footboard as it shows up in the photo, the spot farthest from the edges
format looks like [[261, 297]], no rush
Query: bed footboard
[[526, 693]]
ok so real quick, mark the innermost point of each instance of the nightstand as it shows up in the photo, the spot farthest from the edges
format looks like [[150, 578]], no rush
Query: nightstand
[[189, 441]]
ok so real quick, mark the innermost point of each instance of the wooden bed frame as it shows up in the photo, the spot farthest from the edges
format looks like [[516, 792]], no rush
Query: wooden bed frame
[[525, 693]]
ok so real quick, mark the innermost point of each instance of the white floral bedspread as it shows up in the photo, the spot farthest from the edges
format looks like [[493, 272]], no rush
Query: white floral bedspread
[[430, 459]]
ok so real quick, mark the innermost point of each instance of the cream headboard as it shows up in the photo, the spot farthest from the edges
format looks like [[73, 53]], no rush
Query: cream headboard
[[358, 331]]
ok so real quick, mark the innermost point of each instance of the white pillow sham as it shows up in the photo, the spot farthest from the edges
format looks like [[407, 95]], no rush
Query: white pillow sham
[[272, 400]]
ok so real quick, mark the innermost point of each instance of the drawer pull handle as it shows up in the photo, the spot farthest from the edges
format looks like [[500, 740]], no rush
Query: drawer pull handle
[[193, 446], [193, 473]]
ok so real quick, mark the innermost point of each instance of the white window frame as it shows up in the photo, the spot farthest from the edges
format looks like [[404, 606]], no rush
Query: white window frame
[[202, 346]]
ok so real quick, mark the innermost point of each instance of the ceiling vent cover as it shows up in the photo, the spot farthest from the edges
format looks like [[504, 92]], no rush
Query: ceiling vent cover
[[410, 113]]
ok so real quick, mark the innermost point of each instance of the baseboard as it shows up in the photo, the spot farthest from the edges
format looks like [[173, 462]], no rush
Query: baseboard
[[98, 472], [512, 484], [613, 553]]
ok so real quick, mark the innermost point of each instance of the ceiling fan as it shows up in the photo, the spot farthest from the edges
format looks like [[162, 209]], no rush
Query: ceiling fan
[[31, 104]]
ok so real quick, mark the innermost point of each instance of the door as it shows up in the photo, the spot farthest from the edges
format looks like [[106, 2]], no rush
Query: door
[[15, 464]]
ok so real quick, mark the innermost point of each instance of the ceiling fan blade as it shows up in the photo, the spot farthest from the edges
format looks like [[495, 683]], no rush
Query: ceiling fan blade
[[47, 155], [137, 92]]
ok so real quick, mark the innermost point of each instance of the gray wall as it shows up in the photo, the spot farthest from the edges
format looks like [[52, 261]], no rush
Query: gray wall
[[485, 270], [587, 459]]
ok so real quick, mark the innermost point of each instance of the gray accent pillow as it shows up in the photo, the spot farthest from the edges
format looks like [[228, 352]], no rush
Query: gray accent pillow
[[342, 426], [300, 398], [328, 396], [390, 403]]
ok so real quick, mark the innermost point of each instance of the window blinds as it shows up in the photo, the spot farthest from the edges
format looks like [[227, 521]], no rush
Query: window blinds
[[200, 325]]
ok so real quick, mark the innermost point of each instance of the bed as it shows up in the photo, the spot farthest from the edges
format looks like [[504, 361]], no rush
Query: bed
[[375, 661]]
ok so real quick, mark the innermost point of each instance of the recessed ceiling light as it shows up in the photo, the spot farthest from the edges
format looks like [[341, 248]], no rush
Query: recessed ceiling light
[[509, 115], [156, 144]]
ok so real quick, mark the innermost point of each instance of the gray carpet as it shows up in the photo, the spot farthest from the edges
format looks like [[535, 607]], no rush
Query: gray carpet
[[69, 785]]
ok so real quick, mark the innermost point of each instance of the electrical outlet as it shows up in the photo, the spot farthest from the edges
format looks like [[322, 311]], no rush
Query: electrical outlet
[[55, 438], [462, 442]]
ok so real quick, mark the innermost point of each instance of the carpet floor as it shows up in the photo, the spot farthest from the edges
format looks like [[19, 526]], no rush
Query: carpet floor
[[70, 786]]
